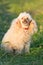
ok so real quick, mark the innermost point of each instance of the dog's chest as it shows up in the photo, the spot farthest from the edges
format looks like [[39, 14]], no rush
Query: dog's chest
[[21, 36]]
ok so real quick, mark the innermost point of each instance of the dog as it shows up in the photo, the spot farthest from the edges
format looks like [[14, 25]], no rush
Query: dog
[[18, 37]]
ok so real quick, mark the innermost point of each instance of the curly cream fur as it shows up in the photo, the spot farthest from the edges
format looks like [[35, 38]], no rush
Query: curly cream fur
[[16, 37]]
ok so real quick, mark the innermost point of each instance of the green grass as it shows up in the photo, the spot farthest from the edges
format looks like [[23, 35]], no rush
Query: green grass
[[34, 58], [10, 9]]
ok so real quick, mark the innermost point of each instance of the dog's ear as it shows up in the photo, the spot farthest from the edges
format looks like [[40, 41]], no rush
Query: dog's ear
[[33, 27], [18, 24]]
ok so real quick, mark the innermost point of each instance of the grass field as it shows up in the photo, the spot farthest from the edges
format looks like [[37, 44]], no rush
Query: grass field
[[10, 9]]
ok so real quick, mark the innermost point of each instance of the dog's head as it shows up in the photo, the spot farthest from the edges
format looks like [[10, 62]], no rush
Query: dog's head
[[27, 23], [25, 19]]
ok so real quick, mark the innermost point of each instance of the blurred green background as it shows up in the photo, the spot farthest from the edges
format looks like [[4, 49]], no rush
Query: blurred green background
[[10, 9]]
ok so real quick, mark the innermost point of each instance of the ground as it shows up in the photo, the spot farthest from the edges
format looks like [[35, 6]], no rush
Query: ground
[[10, 9]]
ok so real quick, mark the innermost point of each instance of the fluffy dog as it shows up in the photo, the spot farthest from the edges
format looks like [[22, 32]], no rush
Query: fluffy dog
[[18, 37]]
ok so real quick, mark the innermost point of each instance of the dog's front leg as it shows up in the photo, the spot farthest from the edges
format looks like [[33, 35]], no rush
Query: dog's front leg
[[27, 47]]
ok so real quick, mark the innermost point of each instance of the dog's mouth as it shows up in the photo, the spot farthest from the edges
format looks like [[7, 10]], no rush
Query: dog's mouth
[[27, 24], [26, 21]]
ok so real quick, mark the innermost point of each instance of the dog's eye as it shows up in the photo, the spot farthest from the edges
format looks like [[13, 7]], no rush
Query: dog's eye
[[22, 18], [27, 19], [30, 22]]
